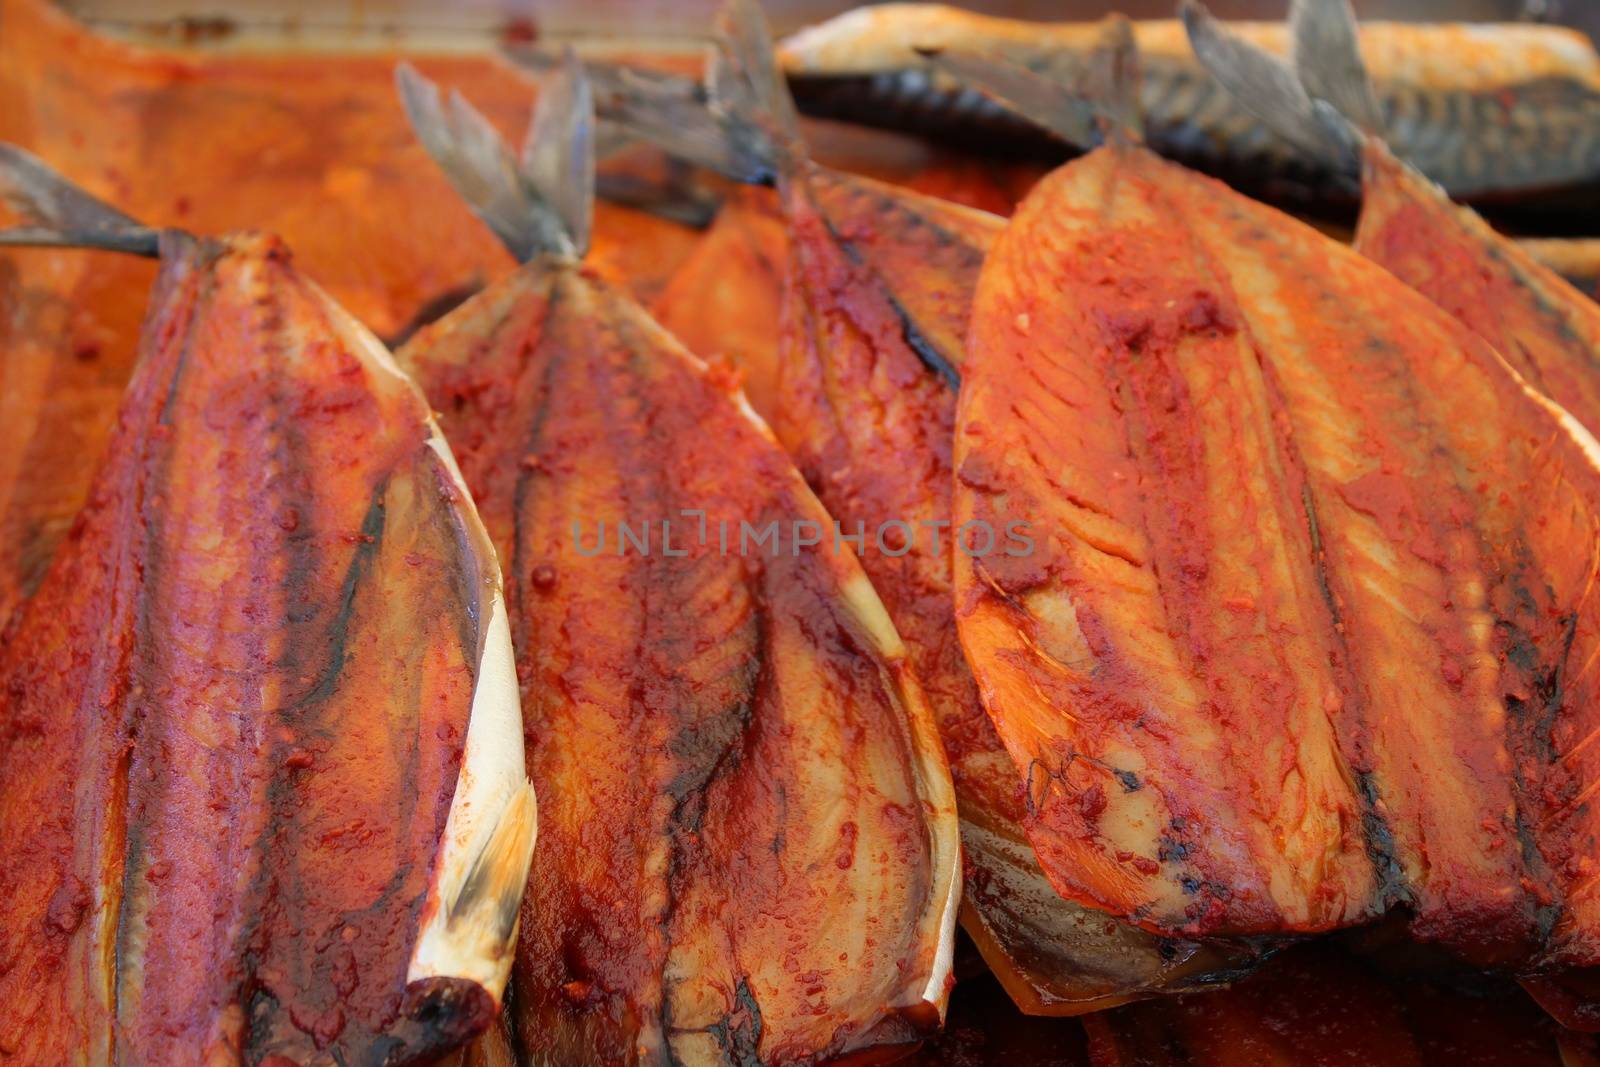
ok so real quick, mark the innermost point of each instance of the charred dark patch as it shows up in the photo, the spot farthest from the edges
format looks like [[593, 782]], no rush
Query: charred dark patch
[[437, 1015], [930, 356], [432, 310], [1393, 888], [338, 635], [738, 1035]]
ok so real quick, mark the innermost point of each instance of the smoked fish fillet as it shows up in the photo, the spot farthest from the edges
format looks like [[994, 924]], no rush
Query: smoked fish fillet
[[878, 287], [1546, 328], [749, 850], [881, 281], [1310, 631], [257, 727], [57, 393], [304, 144]]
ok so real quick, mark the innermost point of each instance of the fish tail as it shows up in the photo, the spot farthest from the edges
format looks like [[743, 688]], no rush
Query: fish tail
[[1040, 99], [539, 201], [1269, 89], [1326, 53], [57, 213], [1100, 100], [1114, 82], [744, 75], [472, 931], [742, 123]]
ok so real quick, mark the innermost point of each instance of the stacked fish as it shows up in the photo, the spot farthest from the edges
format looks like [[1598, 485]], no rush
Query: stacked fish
[[1155, 586]]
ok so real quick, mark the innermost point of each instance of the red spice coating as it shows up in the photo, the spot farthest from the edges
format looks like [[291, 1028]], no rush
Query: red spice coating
[[231, 720], [747, 839], [1208, 405]]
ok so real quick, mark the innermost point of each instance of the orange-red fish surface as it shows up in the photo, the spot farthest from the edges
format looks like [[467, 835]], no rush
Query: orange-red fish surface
[[880, 283], [1546, 329], [1310, 630], [748, 850], [233, 717], [724, 301]]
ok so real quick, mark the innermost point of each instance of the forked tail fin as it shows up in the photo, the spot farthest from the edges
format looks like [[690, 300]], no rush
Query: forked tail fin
[[1101, 101], [1041, 100], [56, 213], [538, 202], [1269, 88], [1326, 53], [741, 123]]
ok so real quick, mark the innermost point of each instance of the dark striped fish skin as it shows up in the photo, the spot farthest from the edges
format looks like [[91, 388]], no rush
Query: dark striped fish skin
[[233, 717], [1520, 118], [749, 850]]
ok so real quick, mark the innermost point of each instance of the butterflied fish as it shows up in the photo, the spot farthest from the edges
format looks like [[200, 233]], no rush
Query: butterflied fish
[[1310, 630], [1482, 109], [307, 145], [263, 799], [1545, 329], [879, 283], [749, 851]]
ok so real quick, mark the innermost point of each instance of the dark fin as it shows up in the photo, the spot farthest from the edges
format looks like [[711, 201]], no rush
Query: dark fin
[[558, 153], [675, 198], [1114, 82], [540, 203], [1326, 53], [1265, 86], [58, 214], [675, 113], [742, 123], [1042, 100], [1100, 99], [744, 75]]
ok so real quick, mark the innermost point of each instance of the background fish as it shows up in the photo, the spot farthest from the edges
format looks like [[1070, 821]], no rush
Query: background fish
[[1491, 111]]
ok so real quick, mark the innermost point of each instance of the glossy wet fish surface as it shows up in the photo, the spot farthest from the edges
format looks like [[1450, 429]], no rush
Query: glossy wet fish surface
[[876, 316], [1312, 632], [748, 850], [235, 712]]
